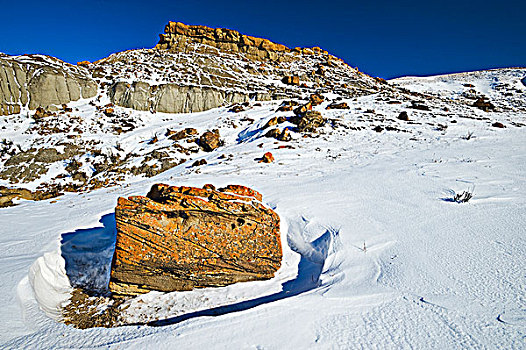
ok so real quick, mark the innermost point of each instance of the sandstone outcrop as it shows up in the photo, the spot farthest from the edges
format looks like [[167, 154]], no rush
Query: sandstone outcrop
[[180, 238], [177, 36], [41, 81]]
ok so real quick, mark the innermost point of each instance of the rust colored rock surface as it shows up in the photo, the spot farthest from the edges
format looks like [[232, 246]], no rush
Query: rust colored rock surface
[[267, 158], [180, 238], [210, 140]]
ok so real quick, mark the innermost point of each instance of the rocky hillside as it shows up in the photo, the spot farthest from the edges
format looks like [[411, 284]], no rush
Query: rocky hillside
[[79, 128], [196, 68]]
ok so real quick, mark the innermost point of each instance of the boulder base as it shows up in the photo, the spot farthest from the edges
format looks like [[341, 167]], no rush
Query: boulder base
[[180, 238]]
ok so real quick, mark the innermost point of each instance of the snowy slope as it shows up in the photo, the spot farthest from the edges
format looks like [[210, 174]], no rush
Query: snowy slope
[[376, 253]]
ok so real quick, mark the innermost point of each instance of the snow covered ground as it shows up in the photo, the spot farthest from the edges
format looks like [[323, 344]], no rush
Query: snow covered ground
[[377, 255]]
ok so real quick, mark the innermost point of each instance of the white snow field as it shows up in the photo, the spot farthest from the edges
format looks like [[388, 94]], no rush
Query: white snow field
[[377, 255]]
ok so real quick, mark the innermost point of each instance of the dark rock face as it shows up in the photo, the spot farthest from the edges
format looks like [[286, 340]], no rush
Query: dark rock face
[[180, 238], [403, 116]]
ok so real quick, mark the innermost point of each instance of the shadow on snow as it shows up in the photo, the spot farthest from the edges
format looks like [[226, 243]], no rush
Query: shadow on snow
[[88, 254], [309, 270]]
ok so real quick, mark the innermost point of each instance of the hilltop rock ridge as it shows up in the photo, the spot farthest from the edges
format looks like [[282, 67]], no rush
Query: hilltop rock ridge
[[196, 68], [178, 35]]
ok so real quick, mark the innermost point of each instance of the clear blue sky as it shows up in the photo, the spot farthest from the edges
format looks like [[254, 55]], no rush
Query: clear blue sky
[[382, 38]]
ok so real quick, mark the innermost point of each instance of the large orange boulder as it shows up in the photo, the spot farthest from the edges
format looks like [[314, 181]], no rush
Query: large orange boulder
[[180, 238]]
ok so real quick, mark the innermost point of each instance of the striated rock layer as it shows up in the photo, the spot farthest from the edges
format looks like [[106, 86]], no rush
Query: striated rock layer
[[180, 238], [41, 81]]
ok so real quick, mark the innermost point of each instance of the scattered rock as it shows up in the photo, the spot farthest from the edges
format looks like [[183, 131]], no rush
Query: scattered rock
[[41, 113], [338, 105], [403, 116], [285, 108], [419, 106], [181, 238], [272, 121], [273, 133], [378, 128], [301, 110], [285, 135], [310, 121], [210, 140], [153, 140], [316, 99], [199, 162], [291, 80], [7, 195], [267, 158], [484, 105], [182, 134], [282, 119], [236, 109], [498, 125]]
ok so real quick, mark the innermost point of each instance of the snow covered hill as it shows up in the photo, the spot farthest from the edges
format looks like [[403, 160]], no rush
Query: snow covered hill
[[378, 253]]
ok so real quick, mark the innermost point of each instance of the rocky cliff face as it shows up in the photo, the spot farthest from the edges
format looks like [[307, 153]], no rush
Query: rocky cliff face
[[41, 81], [180, 238]]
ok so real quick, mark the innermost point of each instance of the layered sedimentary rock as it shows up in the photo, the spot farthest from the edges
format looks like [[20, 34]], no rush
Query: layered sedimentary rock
[[41, 81], [180, 238], [177, 36]]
